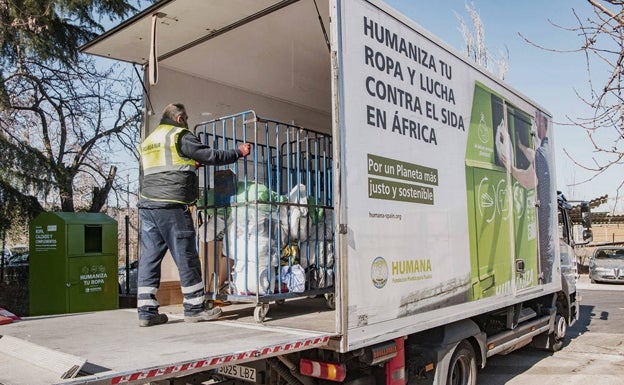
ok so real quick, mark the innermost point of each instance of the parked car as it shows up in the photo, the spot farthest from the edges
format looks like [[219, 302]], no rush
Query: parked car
[[18, 259], [607, 264], [6, 254], [15, 256], [19, 249], [134, 271]]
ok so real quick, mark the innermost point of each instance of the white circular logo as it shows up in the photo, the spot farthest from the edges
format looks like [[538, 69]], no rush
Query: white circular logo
[[379, 272]]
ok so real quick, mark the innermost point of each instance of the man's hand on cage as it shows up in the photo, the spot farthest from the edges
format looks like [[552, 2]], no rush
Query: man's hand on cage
[[244, 148]]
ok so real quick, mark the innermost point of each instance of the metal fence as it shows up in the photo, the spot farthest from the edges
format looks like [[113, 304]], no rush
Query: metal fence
[[271, 212]]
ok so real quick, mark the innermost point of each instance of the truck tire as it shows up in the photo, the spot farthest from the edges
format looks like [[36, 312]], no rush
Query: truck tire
[[463, 365], [557, 337]]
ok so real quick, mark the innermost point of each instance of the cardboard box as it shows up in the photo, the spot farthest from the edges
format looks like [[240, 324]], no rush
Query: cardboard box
[[169, 293], [208, 251]]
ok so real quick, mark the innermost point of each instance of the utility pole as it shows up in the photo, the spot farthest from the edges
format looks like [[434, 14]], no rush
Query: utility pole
[[127, 222]]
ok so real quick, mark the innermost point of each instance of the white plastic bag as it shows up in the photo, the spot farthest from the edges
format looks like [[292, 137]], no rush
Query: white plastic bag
[[321, 278], [249, 236], [294, 278], [250, 280], [210, 228], [298, 215], [310, 252]]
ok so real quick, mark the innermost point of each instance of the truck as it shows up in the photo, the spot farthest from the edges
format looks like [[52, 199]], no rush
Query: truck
[[396, 221]]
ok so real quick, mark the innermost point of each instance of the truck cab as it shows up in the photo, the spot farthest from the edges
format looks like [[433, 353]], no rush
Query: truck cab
[[568, 240]]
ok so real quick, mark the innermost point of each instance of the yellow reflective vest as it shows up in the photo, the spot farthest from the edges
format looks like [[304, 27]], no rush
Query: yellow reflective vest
[[167, 175]]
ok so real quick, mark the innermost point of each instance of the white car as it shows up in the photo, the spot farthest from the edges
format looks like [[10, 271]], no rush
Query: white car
[[607, 265]]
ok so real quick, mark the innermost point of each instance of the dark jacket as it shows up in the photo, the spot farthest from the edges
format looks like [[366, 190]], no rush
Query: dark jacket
[[170, 188]]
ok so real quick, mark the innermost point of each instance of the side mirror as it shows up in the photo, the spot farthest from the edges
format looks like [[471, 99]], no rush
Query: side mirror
[[581, 235], [585, 216]]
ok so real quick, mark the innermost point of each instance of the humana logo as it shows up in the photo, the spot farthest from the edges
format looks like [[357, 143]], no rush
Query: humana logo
[[151, 147], [93, 276], [411, 266]]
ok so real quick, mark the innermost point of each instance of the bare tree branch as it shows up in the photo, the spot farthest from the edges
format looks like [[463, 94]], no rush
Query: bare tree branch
[[71, 120], [602, 43], [476, 48]]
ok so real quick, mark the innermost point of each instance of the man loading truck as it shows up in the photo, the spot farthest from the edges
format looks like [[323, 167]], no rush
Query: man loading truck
[[168, 191]]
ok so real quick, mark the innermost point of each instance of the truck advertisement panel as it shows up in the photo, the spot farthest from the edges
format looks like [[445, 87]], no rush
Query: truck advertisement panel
[[444, 170]]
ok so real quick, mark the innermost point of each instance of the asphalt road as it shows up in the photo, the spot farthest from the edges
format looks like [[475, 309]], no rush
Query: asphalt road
[[593, 353]]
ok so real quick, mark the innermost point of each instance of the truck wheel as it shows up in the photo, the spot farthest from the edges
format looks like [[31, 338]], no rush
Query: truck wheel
[[463, 365], [556, 338]]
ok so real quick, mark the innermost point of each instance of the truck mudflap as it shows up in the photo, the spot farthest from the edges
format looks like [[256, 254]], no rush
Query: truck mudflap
[[117, 351]]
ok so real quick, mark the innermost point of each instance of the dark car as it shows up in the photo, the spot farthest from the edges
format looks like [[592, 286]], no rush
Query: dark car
[[20, 259], [607, 265], [6, 254], [134, 271], [15, 256]]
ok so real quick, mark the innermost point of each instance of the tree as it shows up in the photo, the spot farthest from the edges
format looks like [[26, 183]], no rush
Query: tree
[[476, 48], [60, 116], [604, 39], [57, 137], [52, 30], [602, 44]]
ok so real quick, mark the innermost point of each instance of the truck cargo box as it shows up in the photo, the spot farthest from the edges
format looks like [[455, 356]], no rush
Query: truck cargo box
[[429, 226]]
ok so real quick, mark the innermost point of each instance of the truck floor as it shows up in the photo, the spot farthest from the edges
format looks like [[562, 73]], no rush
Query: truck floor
[[112, 342]]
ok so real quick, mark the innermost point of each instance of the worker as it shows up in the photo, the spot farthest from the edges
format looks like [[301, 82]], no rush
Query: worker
[[168, 190]]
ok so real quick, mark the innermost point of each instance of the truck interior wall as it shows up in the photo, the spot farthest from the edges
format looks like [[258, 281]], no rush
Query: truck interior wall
[[206, 100]]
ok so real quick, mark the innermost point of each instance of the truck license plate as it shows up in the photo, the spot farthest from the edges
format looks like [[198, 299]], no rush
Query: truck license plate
[[238, 371]]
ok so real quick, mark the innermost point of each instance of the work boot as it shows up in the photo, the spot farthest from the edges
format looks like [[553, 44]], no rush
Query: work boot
[[205, 315], [156, 320]]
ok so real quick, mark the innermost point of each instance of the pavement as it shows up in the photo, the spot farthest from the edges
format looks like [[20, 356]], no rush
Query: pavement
[[593, 353], [583, 283]]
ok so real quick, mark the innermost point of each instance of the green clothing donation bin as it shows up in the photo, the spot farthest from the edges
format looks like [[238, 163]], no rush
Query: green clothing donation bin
[[73, 263]]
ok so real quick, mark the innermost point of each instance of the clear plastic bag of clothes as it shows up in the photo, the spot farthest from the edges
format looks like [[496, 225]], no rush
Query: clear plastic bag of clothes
[[294, 278]]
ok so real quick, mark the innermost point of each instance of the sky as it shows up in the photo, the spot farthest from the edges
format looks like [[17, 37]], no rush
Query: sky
[[552, 79]]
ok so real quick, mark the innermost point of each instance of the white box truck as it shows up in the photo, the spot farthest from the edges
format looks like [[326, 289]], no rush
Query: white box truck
[[390, 178]]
